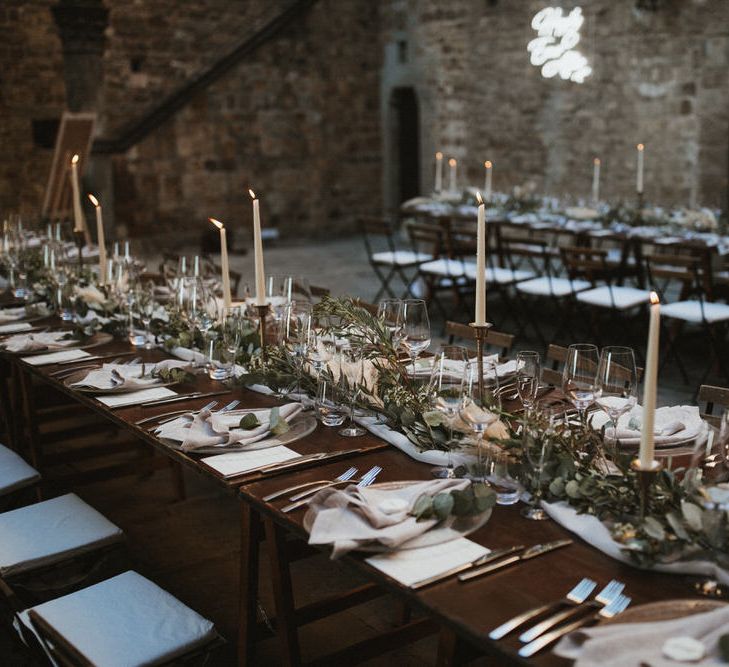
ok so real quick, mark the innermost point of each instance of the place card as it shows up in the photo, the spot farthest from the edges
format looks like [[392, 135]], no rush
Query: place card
[[55, 357], [135, 397], [410, 565], [237, 463], [15, 328]]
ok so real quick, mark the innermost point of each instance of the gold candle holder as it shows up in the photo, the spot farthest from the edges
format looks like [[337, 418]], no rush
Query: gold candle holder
[[646, 477], [481, 332], [80, 239], [262, 313]]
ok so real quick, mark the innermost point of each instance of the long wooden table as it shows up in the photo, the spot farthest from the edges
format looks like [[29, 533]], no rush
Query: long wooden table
[[465, 611]]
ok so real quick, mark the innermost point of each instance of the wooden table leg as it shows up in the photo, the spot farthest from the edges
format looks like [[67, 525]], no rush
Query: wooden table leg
[[283, 595], [447, 648], [250, 537]]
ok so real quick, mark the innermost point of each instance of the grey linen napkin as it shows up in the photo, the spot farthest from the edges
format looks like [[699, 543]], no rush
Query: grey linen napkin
[[209, 429], [52, 340], [128, 376], [356, 517], [638, 644], [11, 314]]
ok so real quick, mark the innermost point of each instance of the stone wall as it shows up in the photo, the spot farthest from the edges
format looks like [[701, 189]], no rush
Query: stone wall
[[659, 78]]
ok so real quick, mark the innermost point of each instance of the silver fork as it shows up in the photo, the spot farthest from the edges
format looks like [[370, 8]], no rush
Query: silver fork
[[311, 492], [602, 599], [346, 475], [576, 596], [613, 608], [366, 480], [231, 406], [176, 413]]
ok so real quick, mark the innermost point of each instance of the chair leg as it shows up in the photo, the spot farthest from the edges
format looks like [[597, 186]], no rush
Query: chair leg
[[283, 595], [250, 537], [671, 351]]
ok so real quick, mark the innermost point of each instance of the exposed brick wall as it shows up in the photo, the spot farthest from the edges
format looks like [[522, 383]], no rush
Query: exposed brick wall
[[659, 78]]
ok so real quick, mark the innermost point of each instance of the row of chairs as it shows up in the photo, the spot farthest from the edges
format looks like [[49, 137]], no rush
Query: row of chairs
[[56, 556]]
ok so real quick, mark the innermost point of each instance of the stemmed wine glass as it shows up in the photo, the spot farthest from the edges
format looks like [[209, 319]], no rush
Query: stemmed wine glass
[[390, 312], [477, 411], [295, 334], [537, 439], [579, 377], [145, 308], [617, 382], [232, 333], [352, 360], [528, 375], [415, 328], [445, 386]]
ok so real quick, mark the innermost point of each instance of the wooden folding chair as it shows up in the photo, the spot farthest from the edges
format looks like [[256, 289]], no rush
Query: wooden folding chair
[[501, 342]]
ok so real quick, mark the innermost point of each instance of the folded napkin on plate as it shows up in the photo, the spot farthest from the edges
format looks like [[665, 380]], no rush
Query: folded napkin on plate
[[52, 340], [357, 517], [128, 376], [637, 644], [672, 424], [212, 429], [424, 367], [11, 314]]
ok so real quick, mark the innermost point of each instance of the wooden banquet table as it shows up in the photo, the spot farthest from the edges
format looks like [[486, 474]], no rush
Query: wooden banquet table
[[463, 611]]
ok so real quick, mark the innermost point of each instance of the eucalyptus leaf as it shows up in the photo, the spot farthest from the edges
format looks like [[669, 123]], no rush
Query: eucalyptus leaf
[[443, 505], [249, 422], [653, 528], [278, 426], [692, 514]]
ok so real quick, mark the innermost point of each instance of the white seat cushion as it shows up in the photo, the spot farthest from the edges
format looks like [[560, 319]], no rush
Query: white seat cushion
[[15, 473], [554, 287], [126, 621], [400, 257], [51, 531], [502, 276], [690, 311], [618, 297], [448, 267]]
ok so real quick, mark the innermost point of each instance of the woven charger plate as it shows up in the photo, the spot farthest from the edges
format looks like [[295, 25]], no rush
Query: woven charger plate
[[665, 610]]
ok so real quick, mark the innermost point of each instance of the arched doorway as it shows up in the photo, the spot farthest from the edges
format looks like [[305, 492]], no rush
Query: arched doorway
[[405, 145]]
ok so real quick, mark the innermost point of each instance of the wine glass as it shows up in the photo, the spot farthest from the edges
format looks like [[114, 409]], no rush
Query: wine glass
[[617, 382], [145, 308], [476, 409], [295, 335], [415, 328], [445, 387], [232, 333], [579, 377], [537, 440], [528, 375], [390, 312], [330, 403], [351, 364]]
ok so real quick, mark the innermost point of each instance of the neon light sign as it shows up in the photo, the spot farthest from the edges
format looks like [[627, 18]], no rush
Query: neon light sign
[[554, 49]]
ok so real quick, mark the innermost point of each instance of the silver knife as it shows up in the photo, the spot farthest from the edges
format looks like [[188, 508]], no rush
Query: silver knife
[[96, 358], [318, 456], [180, 397], [531, 552], [499, 553]]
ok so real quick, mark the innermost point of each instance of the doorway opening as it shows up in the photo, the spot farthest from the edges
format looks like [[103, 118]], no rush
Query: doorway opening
[[405, 142]]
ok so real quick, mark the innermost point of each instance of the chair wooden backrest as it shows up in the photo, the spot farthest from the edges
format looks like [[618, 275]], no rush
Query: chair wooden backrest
[[378, 234], [713, 396], [494, 339], [585, 262], [552, 366], [691, 272], [428, 238], [369, 307]]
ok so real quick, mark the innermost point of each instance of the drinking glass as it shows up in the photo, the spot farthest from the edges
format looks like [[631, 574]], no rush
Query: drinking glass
[[330, 402], [320, 349], [537, 440], [295, 335], [145, 308], [232, 333], [476, 409], [415, 328], [390, 312], [579, 377], [617, 382], [445, 386], [352, 377], [528, 375]]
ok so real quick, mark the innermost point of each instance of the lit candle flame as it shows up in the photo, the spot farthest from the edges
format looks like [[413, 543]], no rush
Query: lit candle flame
[[480, 199], [74, 159], [654, 299], [217, 223], [640, 147], [597, 160], [487, 164], [452, 162], [252, 194], [439, 156], [94, 200]]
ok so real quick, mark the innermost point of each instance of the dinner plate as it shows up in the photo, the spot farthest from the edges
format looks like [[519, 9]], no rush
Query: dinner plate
[[452, 528], [94, 391], [665, 610], [300, 426], [97, 339]]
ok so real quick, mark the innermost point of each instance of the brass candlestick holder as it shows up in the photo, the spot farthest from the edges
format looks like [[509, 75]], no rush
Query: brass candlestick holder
[[262, 313], [481, 332], [646, 477], [80, 239]]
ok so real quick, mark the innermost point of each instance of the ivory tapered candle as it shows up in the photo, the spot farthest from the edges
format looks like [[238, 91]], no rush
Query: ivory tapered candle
[[488, 166], [596, 180], [438, 171], [78, 214], [258, 252], [196, 266], [224, 268], [639, 171], [480, 319], [650, 379], [100, 239], [453, 166]]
